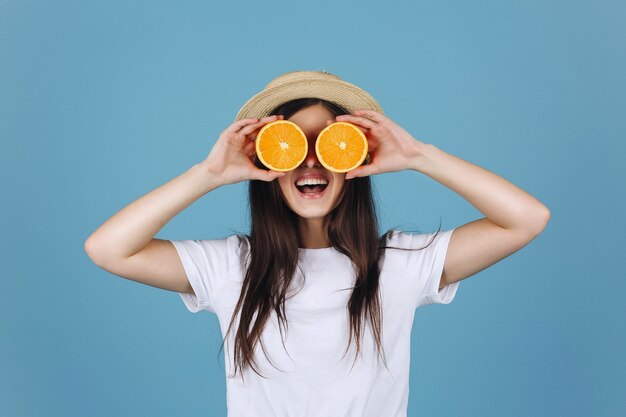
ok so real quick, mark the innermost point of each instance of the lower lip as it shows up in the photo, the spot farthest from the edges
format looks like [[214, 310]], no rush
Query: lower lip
[[312, 196]]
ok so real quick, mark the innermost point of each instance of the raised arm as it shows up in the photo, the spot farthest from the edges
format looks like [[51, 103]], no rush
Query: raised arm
[[512, 219], [125, 245]]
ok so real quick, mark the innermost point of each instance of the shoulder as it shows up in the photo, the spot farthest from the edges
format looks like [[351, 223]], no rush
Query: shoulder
[[414, 240], [228, 242], [225, 250], [411, 247], [217, 244]]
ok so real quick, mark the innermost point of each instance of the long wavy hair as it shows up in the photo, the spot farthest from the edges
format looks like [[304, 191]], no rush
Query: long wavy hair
[[271, 255]]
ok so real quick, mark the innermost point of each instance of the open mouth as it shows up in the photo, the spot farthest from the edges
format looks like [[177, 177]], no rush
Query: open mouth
[[312, 189]]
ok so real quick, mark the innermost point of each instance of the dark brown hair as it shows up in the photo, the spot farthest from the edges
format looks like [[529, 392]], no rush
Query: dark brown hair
[[271, 254]]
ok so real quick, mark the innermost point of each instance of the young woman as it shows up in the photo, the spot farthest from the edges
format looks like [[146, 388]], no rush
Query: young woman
[[316, 307]]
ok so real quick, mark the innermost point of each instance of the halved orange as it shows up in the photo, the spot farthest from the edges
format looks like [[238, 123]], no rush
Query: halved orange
[[281, 145], [341, 147]]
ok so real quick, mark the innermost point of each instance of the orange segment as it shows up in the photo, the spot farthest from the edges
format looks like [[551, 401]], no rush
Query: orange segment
[[341, 147], [281, 145]]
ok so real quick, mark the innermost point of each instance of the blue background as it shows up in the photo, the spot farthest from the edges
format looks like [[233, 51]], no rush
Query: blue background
[[102, 102]]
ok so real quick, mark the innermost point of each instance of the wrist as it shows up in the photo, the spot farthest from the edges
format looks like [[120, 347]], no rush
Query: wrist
[[208, 177], [425, 157]]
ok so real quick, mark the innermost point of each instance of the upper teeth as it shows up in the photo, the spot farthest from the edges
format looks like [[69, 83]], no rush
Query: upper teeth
[[311, 181]]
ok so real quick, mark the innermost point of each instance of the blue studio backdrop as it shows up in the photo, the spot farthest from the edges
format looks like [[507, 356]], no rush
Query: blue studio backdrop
[[102, 102]]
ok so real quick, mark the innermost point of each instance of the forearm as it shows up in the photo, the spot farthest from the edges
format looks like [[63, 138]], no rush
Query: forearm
[[498, 199], [132, 228]]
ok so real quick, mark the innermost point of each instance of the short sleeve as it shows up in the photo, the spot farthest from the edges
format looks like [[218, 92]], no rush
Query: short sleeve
[[425, 266], [206, 263]]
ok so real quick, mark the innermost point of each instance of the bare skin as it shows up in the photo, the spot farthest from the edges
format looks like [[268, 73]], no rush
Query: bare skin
[[313, 212], [512, 219], [125, 243]]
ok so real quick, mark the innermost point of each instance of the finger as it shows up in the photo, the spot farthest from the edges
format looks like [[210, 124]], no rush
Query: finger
[[362, 171], [269, 175], [249, 148], [358, 120], [253, 135], [371, 114], [241, 123], [246, 130], [363, 129]]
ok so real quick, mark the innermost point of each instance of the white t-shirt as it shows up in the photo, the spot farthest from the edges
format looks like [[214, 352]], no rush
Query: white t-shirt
[[315, 380]]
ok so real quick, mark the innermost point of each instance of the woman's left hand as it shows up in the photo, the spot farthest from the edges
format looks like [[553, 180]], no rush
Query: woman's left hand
[[391, 148]]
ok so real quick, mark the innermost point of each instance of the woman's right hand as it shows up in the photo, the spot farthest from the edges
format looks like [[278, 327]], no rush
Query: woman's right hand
[[231, 158]]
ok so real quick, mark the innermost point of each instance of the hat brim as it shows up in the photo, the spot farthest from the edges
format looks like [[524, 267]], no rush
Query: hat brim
[[340, 92]]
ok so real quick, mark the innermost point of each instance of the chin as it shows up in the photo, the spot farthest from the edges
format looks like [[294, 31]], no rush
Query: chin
[[311, 205]]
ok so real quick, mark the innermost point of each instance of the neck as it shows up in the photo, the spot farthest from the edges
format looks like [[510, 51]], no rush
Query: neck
[[313, 233]]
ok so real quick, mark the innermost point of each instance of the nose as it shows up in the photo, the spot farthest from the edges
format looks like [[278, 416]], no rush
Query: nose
[[311, 160]]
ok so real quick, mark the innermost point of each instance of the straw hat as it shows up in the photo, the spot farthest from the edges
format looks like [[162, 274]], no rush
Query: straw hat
[[300, 84]]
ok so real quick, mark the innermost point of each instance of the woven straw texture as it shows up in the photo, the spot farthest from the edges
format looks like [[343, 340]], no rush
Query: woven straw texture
[[300, 84]]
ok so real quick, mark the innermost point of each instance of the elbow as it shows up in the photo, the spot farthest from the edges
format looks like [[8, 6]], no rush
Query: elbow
[[92, 251], [533, 223], [545, 217], [89, 246], [541, 220]]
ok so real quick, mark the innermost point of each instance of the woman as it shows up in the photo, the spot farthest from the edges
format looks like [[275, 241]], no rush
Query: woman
[[314, 281]]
